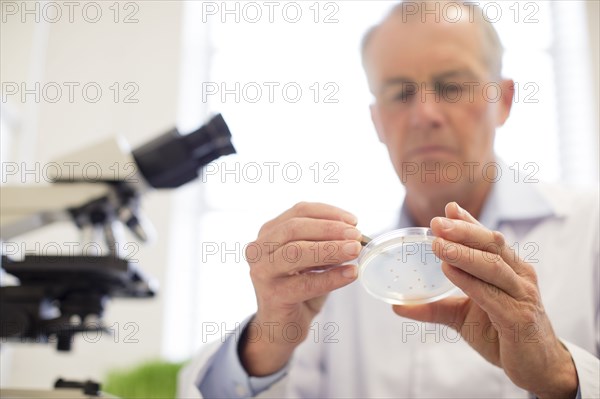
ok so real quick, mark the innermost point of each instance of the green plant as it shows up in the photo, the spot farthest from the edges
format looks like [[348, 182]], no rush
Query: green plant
[[151, 380]]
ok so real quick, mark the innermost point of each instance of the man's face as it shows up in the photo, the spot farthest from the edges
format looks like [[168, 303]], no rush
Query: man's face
[[436, 107]]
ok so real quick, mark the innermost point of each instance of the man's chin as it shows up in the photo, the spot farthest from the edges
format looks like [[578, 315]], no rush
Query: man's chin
[[435, 187]]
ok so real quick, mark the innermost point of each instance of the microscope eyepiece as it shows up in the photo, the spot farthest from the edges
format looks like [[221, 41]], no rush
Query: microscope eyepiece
[[172, 159]]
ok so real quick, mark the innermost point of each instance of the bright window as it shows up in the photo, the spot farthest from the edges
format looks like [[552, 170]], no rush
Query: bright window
[[296, 100]]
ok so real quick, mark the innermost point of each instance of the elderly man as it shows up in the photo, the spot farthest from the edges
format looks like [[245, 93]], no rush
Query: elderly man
[[527, 323]]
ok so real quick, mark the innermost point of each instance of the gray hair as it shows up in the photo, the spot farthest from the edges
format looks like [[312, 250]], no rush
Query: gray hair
[[492, 50]]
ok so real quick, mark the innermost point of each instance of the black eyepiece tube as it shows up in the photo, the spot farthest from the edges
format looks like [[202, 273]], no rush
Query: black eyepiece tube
[[172, 160]]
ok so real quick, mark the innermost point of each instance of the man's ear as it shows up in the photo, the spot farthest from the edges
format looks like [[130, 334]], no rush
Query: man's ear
[[506, 100], [375, 118]]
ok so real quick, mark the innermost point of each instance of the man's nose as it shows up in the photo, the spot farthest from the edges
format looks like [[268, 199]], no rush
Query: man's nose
[[426, 112]]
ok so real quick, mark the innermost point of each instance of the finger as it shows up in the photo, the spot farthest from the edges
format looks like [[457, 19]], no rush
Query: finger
[[318, 268], [307, 286], [296, 257], [511, 257], [315, 210], [454, 211], [462, 228], [488, 297], [307, 229], [448, 311], [484, 266], [468, 234]]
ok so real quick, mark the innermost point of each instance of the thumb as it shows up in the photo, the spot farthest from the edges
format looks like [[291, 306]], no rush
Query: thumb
[[454, 211], [447, 311]]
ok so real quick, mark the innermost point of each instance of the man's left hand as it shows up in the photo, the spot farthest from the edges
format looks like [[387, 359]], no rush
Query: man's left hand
[[502, 317]]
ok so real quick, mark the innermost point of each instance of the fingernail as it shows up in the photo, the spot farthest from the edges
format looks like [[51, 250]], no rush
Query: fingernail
[[445, 223], [350, 219], [350, 272], [352, 248], [450, 251], [459, 209], [352, 234]]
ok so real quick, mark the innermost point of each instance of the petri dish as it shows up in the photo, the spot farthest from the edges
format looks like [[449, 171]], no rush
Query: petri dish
[[399, 267]]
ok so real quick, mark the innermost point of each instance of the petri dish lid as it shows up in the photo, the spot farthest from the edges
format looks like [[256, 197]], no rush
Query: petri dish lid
[[399, 267]]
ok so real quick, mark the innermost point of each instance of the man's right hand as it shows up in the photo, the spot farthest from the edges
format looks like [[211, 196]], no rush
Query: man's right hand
[[294, 263]]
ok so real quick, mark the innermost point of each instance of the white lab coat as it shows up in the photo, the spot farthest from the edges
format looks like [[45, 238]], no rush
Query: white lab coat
[[368, 351]]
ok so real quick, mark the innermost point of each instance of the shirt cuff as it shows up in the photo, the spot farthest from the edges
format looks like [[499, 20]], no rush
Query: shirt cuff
[[227, 378], [588, 371]]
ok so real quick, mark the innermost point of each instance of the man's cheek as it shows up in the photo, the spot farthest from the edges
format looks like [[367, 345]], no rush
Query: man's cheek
[[480, 112]]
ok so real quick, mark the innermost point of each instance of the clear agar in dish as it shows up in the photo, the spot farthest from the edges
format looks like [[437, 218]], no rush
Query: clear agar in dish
[[400, 267]]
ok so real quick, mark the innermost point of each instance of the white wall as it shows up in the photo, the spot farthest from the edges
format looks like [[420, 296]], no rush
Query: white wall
[[593, 13], [146, 53]]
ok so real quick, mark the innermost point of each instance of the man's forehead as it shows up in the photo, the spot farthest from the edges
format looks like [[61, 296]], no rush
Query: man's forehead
[[409, 47], [442, 74], [413, 31]]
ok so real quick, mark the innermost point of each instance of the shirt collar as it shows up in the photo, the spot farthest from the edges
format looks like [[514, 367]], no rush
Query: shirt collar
[[508, 201], [513, 201]]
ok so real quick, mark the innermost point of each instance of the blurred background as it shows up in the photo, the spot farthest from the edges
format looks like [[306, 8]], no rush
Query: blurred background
[[288, 80]]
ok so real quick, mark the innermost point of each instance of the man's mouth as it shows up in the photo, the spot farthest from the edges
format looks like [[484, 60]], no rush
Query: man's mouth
[[430, 151]]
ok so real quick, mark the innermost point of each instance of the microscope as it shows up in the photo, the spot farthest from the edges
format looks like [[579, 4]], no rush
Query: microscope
[[58, 296]]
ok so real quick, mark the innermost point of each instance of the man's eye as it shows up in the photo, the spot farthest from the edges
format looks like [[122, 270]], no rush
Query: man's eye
[[450, 91], [404, 96], [451, 87]]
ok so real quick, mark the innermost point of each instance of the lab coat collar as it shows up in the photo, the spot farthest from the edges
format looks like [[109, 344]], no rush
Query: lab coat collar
[[509, 200]]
